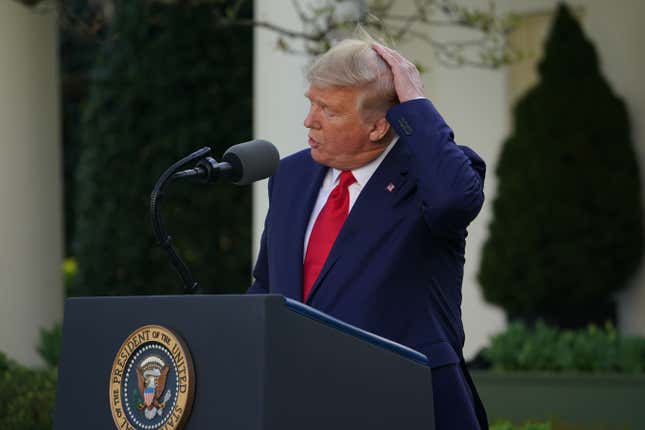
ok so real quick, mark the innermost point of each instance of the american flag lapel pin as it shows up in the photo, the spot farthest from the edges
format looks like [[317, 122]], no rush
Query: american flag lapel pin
[[390, 187]]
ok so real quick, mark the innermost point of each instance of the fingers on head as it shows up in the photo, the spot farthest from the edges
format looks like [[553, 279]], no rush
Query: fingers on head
[[394, 59], [385, 52]]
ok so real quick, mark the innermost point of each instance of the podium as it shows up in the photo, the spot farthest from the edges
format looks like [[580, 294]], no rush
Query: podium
[[259, 362]]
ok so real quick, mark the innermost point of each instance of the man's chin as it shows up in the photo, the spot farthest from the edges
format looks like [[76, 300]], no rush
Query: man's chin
[[319, 157], [315, 154]]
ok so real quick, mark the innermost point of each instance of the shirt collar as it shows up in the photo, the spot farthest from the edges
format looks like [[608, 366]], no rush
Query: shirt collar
[[364, 173]]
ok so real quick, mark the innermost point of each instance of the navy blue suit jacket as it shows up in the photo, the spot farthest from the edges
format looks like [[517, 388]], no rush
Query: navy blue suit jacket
[[396, 267]]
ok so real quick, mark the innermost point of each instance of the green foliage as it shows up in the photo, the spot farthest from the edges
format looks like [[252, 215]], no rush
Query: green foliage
[[165, 83], [26, 396], [550, 425], [70, 271], [507, 425], [567, 232], [546, 348], [78, 47], [50, 344], [4, 363]]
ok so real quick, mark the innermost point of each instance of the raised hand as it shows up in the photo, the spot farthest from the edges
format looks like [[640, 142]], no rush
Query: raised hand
[[407, 80]]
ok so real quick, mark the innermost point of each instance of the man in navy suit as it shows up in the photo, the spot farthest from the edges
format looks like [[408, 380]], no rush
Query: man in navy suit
[[369, 223]]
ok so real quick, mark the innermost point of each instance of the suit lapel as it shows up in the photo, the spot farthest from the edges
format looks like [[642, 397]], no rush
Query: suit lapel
[[308, 188], [384, 189]]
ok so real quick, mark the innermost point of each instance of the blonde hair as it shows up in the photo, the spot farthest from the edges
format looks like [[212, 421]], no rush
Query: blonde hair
[[353, 63]]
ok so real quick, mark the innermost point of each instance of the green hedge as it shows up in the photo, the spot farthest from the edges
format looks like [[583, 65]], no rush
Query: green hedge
[[26, 396], [505, 425], [50, 344], [546, 348]]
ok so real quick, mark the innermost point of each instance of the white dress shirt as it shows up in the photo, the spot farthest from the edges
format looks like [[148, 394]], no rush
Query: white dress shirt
[[362, 175]]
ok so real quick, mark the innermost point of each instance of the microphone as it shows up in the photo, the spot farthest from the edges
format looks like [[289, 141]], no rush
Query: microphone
[[242, 164], [251, 161]]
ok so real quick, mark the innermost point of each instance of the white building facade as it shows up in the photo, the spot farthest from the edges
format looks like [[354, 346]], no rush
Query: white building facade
[[475, 102], [31, 196]]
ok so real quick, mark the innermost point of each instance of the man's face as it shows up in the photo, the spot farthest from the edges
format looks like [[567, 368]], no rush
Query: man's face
[[339, 135]]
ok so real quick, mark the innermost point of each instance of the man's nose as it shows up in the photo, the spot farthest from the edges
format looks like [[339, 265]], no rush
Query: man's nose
[[310, 120]]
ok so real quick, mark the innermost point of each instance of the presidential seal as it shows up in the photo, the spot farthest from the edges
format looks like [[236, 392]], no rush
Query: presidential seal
[[152, 383]]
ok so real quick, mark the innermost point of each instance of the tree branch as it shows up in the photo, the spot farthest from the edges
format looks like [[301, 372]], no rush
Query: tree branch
[[322, 25]]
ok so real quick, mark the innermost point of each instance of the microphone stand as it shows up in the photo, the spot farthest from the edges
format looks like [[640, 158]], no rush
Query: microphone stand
[[163, 238]]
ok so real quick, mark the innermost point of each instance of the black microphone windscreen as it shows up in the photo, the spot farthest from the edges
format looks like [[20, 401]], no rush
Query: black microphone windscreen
[[252, 161]]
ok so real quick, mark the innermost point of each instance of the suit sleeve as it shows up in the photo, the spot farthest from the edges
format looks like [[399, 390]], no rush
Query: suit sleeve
[[450, 178], [261, 270]]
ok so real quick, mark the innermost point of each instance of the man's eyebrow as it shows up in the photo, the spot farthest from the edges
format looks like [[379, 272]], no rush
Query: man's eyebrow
[[317, 101], [308, 95]]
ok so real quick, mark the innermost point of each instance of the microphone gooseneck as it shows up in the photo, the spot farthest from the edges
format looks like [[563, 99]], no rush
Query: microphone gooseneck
[[163, 238], [242, 164]]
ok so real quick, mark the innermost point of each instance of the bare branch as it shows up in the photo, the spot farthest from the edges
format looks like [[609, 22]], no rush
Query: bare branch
[[270, 26], [322, 24]]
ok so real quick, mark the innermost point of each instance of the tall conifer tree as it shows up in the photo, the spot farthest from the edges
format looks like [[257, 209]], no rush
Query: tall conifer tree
[[566, 233], [166, 83]]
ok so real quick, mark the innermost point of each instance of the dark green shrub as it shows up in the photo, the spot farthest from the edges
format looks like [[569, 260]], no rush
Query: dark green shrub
[[546, 348], [4, 363], [49, 345], [166, 83], [566, 231], [26, 396], [78, 46], [506, 425]]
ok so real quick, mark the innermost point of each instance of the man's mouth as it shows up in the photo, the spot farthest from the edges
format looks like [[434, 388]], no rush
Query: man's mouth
[[313, 143]]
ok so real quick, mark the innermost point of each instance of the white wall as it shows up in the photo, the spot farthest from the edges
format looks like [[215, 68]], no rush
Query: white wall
[[474, 102], [279, 105], [31, 293], [617, 31]]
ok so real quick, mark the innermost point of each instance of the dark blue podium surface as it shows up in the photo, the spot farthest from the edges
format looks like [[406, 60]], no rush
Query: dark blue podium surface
[[261, 362]]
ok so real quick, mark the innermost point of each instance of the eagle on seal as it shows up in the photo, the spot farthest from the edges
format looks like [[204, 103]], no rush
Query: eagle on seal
[[151, 377]]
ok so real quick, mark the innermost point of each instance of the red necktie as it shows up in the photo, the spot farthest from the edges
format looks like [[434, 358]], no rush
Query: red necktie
[[326, 228]]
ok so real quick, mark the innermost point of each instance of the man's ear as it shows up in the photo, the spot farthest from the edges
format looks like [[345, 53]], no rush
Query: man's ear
[[379, 129]]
